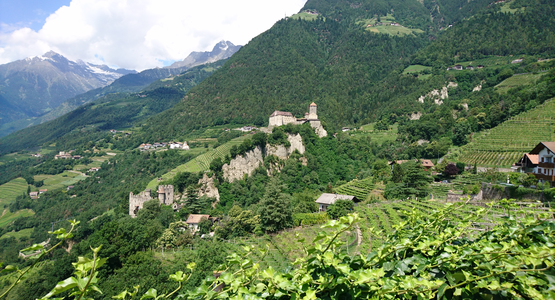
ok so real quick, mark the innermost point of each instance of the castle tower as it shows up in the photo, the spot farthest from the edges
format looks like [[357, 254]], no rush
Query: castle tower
[[165, 194], [312, 112]]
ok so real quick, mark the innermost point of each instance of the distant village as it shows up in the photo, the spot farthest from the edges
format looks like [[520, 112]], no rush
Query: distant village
[[171, 145]]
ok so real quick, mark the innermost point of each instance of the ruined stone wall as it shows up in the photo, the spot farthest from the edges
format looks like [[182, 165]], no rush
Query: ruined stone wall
[[241, 165], [165, 194], [136, 202]]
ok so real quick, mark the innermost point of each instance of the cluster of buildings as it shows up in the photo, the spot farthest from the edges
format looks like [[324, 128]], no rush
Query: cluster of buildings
[[67, 155], [460, 67], [540, 162], [172, 145], [36, 195]]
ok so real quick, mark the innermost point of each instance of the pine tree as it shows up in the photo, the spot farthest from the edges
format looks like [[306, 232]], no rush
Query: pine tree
[[398, 173]]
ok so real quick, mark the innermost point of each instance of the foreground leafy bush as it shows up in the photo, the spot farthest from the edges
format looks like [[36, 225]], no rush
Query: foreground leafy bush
[[427, 256]]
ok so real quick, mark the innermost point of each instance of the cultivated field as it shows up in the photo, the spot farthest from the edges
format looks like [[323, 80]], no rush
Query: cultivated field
[[377, 136], [359, 188], [517, 80], [10, 190], [505, 144]]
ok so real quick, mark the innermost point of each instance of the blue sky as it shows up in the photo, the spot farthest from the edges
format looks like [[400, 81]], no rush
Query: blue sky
[[132, 34], [28, 13]]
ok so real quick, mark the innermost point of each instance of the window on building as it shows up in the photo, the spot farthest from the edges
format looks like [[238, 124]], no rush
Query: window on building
[[549, 159]]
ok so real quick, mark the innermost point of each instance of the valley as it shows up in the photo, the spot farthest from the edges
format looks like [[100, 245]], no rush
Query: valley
[[381, 149]]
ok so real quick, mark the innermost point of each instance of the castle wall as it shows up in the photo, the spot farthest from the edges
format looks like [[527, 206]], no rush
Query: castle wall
[[165, 194], [136, 202]]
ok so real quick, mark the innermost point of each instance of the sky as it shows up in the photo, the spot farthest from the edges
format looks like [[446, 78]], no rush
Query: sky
[[132, 34]]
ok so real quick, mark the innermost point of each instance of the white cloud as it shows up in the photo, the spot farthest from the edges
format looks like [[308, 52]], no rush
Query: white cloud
[[139, 34]]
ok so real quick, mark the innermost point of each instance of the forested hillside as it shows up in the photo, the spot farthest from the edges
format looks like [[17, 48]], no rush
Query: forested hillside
[[353, 75], [356, 77]]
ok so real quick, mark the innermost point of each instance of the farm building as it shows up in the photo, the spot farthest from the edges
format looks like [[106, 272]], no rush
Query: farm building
[[327, 199], [193, 220]]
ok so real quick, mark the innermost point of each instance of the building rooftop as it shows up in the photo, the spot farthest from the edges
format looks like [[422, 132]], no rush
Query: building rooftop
[[541, 145], [327, 198], [195, 219], [281, 113]]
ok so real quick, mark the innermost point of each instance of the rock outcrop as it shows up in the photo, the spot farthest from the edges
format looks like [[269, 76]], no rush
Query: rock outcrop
[[241, 165], [318, 128], [438, 95], [207, 188], [283, 152]]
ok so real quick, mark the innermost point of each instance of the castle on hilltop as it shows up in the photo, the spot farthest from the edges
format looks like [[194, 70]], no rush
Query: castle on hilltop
[[279, 118]]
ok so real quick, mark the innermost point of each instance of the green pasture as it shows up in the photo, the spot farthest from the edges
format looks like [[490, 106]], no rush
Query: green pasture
[[376, 135], [10, 190], [304, 16], [416, 69], [393, 30], [516, 81], [18, 234], [62, 180], [506, 8]]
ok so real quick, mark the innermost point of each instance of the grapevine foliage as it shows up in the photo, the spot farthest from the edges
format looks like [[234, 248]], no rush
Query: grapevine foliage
[[427, 256]]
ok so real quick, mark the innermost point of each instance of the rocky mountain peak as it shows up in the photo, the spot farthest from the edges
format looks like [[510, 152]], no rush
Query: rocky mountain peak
[[222, 50]]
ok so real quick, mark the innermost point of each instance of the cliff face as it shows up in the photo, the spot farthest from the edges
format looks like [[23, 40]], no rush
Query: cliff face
[[242, 165], [283, 152], [318, 128], [207, 188]]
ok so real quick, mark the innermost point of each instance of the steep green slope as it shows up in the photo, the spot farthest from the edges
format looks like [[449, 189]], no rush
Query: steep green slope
[[291, 65], [117, 110], [531, 31], [505, 144]]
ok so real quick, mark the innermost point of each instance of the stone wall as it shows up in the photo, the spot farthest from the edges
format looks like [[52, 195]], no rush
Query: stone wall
[[283, 152], [165, 194], [241, 165], [136, 201]]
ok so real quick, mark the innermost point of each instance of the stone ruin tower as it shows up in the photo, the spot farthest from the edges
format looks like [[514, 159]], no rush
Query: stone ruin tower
[[165, 194], [136, 201]]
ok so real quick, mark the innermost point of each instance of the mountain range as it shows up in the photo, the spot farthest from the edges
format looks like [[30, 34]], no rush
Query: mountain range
[[33, 86], [61, 85]]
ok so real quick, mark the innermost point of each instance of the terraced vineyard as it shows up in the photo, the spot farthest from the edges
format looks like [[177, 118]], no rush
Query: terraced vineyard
[[10, 190], [359, 188], [505, 144], [202, 162]]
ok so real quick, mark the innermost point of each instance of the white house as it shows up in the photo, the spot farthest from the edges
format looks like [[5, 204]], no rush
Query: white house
[[193, 221], [545, 170]]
